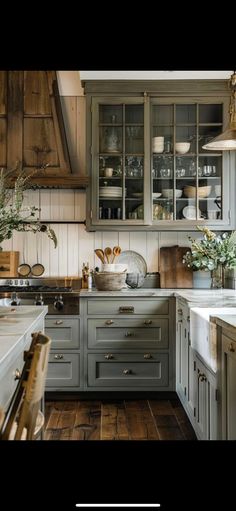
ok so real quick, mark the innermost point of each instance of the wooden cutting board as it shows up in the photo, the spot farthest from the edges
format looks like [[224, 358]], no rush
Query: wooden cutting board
[[173, 273]]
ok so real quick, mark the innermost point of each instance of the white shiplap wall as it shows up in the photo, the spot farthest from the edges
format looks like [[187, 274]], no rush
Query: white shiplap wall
[[75, 244]]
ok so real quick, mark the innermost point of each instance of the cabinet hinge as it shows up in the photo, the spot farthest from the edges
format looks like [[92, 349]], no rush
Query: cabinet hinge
[[91, 214], [194, 365], [194, 412], [216, 394], [229, 214], [185, 391]]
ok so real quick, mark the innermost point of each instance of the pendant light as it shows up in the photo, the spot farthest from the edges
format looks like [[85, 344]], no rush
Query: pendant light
[[227, 140]]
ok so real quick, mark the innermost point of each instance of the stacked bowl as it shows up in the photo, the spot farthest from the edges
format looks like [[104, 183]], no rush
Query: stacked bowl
[[158, 144]]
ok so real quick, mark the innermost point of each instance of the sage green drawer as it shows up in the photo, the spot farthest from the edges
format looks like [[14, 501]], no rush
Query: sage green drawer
[[63, 332], [128, 306], [126, 370], [8, 382], [128, 333], [63, 370]]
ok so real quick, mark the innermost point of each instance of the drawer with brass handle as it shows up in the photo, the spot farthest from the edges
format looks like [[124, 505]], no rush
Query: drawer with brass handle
[[65, 333], [128, 333], [63, 371], [127, 306], [128, 370]]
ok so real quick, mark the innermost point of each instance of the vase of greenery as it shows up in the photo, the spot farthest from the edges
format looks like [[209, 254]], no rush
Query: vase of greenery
[[14, 216], [213, 253]]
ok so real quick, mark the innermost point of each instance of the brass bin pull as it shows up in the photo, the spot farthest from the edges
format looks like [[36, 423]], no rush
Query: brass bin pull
[[109, 322], [129, 334], [147, 322], [147, 356], [109, 356], [126, 310], [58, 357], [58, 322]]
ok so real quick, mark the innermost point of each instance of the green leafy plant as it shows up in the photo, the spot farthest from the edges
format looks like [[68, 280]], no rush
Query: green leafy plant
[[213, 250], [13, 215]]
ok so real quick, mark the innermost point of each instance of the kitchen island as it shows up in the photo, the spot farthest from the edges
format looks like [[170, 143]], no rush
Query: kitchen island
[[16, 326]]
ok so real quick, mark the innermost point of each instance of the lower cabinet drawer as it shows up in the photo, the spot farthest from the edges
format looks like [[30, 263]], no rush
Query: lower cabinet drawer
[[128, 306], [128, 333], [8, 382], [63, 370], [63, 332], [127, 370]]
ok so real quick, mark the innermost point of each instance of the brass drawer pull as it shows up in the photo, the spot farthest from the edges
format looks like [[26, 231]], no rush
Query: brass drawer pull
[[127, 371], [126, 310], [129, 334], [231, 348], [109, 322], [147, 356], [109, 356], [180, 312], [58, 357], [147, 322], [58, 322], [17, 374]]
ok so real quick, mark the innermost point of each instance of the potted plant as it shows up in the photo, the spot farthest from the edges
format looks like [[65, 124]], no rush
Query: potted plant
[[213, 253]]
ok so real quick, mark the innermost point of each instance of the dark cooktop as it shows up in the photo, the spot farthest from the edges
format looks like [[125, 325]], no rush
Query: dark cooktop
[[35, 289]]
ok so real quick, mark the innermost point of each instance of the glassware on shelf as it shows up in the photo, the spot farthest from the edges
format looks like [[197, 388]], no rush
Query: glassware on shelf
[[111, 141]]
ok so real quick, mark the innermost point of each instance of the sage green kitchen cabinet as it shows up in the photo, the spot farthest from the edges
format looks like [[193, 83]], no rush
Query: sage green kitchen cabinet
[[228, 386], [140, 177], [206, 402], [129, 343], [65, 365]]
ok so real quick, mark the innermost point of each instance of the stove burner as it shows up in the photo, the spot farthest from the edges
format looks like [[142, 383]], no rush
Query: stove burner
[[36, 289]]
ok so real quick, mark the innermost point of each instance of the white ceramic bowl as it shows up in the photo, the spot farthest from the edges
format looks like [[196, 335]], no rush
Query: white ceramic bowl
[[168, 193], [114, 267], [182, 147], [218, 190]]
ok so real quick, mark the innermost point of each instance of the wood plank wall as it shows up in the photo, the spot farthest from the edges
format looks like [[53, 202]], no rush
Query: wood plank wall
[[75, 244]]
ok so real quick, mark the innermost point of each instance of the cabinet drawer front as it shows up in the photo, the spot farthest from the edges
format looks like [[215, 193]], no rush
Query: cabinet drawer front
[[128, 306], [128, 333], [63, 370], [128, 370], [63, 332], [8, 383]]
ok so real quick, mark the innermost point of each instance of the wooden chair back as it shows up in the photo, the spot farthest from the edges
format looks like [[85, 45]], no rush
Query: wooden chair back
[[21, 418]]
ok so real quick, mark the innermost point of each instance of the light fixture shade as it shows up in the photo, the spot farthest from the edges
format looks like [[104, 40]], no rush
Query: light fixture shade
[[227, 140], [224, 142]]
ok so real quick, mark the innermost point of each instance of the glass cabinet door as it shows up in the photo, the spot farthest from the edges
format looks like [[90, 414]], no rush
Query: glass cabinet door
[[118, 160], [186, 179]]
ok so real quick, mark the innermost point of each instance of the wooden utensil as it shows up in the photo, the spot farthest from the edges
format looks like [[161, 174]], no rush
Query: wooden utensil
[[100, 254], [108, 253], [116, 252]]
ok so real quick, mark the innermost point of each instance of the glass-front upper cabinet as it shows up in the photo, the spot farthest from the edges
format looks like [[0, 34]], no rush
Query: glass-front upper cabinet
[[186, 179], [119, 164]]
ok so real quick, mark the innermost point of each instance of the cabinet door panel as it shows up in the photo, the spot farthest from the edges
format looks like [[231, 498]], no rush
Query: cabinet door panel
[[228, 389]]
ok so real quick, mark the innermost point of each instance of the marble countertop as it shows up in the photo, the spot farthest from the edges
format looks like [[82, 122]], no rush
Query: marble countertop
[[14, 325], [219, 297]]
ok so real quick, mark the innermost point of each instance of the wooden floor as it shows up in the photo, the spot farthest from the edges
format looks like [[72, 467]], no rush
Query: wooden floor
[[117, 420]]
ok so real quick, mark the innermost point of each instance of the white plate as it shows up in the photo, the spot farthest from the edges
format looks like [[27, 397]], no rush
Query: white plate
[[189, 212], [156, 195], [134, 261]]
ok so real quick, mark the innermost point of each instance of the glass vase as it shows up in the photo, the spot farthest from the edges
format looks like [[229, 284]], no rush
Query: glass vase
[[217, 277]]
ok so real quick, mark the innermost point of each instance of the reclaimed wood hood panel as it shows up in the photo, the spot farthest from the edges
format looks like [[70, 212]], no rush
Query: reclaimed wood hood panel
[[32, 129]]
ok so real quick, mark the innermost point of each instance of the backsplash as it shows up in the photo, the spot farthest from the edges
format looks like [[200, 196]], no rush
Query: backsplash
[[75, 244]]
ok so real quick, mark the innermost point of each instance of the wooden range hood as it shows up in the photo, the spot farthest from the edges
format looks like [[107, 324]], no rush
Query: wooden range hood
[[32, 129]]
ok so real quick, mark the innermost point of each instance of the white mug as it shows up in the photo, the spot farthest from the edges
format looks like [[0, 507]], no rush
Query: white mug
[[108, 172]]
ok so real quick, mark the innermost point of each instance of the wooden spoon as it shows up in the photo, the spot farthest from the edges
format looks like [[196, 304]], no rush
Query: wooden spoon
[[108, 253], [116, 252], [99, 252]]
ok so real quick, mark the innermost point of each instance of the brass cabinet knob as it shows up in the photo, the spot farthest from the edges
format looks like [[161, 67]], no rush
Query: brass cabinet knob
[[202, 376], [58, 322], [231, 347], [109, 356], [147, 356], [180, 312], [147, 322], [129, 334], [109, 322], [58, 357], [127, 371], [17, 374]]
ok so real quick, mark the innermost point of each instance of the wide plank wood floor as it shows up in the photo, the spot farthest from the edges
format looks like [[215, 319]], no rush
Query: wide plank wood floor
[[117, 419]]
